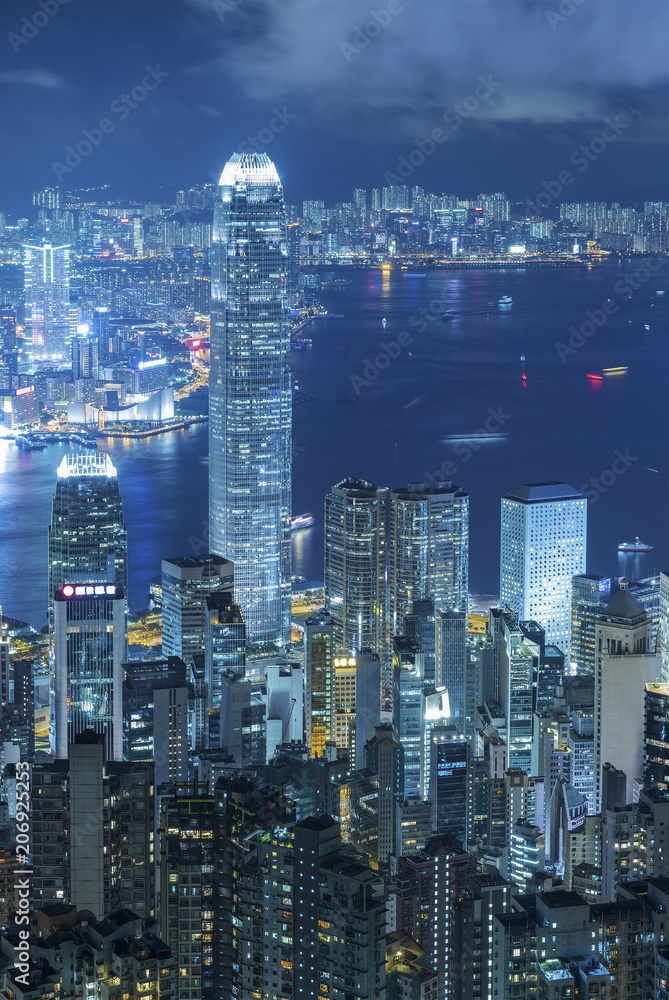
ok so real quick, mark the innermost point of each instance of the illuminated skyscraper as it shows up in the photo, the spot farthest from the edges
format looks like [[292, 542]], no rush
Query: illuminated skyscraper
[[89, 639], [47, 276], [355, 564], [542, 549], [250, 403], [428, 549], [88, 541]]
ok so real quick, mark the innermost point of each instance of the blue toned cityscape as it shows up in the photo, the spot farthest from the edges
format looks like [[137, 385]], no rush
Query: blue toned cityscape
[[334, 589]]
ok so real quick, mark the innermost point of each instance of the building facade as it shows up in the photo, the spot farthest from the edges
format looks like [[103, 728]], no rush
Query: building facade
[[542, 548], [250, 400]]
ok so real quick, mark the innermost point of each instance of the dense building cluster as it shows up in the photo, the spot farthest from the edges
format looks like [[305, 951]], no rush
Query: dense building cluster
[[399, 795]]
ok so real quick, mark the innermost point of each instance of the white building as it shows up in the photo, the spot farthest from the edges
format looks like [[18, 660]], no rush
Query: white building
[[542, 548]]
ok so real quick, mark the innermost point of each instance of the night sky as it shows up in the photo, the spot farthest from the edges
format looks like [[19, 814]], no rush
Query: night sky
[[336, 92]]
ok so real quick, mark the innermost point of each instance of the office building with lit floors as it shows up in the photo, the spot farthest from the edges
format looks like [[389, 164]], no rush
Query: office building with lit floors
[[89, 649], [656, 737], [250, 395], [88, 540], [543, 544], [47, 277], [224, 644], [319, 684], [355, 564], [187, 582], [428, 549]]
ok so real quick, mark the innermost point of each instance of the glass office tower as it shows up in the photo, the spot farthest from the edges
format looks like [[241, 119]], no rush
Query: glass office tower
[[428, 549], [88, 541], [542, 550], [355, 565], [47, 274], [250, 405]]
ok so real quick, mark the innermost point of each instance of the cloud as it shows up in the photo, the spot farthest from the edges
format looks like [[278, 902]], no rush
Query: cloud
[[33, 78], [342, 57]]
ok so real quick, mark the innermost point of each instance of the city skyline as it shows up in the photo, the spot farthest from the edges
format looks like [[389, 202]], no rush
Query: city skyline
[[300, 695], [257, 69]]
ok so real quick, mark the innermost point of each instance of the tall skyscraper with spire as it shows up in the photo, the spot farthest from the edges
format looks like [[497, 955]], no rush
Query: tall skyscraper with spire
[[250, 405]]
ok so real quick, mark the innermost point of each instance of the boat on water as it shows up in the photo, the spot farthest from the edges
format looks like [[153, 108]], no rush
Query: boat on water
[[476, 436], [594, 378], [614, 371], [383, 322], [635, 546], [448, 314], [660, 291], [26, 443], [505, 300], [646, 326], [301, 521]]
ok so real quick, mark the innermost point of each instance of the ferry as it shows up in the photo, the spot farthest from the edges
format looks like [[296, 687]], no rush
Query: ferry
[[594, 378], [635, 546], [505, 300], [301, 521], [448, 314], [614, 371], [383, 322], [660, 291]]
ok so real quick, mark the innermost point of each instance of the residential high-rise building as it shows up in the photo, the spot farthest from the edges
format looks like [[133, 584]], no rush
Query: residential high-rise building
[[428, 549], [94, 831], [355, 564], [89, 649], [187, 583], [357, 702], [250, 396], [623, 667], [88, 542], [542, 548], [385, 758], [186, 886], [47, 276], [326, 909]]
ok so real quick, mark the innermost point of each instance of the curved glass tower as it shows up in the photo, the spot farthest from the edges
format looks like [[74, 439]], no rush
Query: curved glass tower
[[250, 406]]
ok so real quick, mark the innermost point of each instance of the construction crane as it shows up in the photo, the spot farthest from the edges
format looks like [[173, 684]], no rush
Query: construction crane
[[285, 728]]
